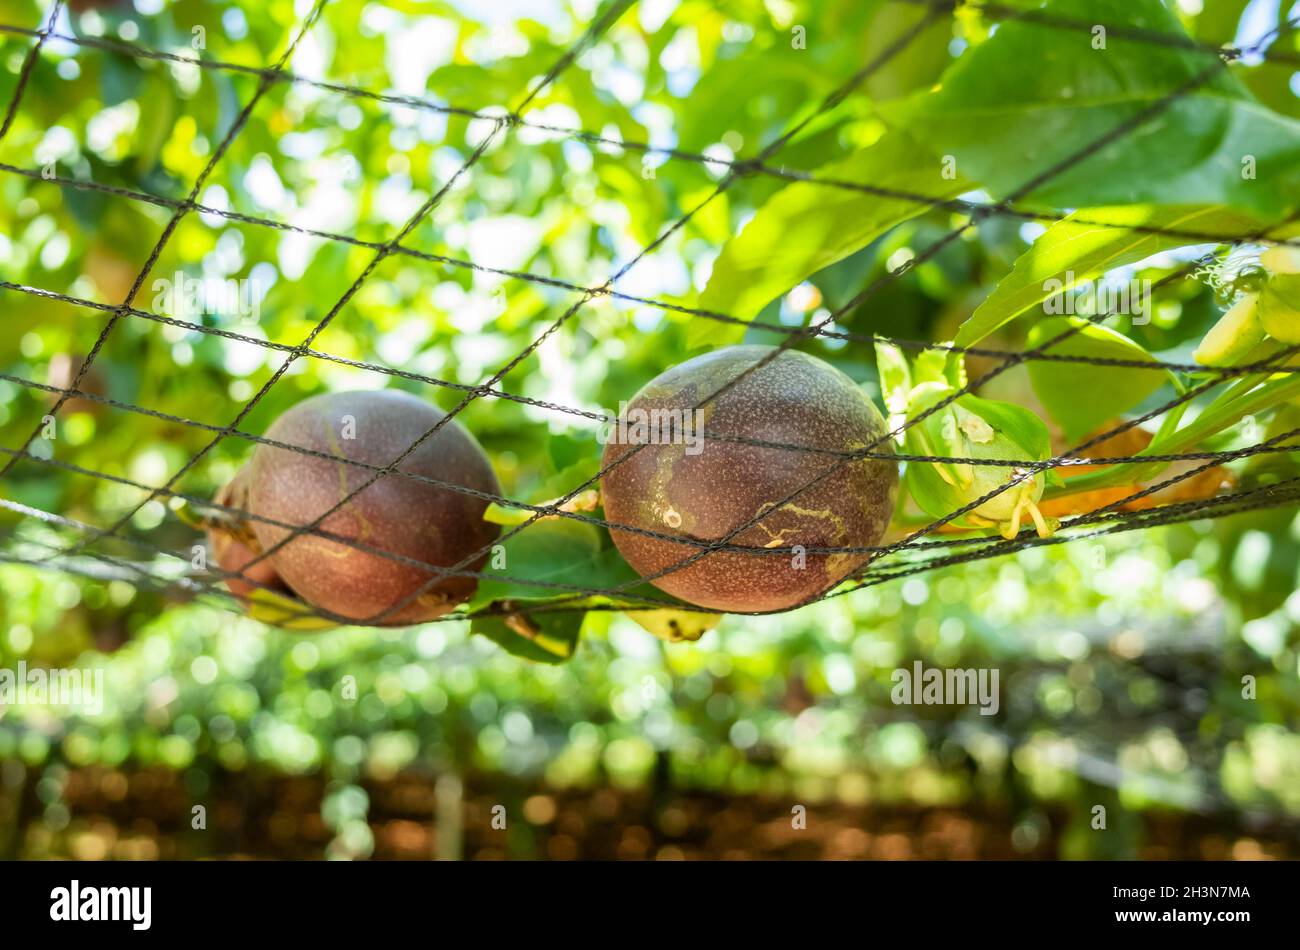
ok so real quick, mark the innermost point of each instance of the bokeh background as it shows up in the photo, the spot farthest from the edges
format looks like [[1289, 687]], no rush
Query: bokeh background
[[1122, 660]]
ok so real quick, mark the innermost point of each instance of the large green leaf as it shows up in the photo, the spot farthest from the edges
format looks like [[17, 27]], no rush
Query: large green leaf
[[553, 551], [561, 551], [1084, 246], [1070, 391], [542, 637], [806, 227], [918, 64], [1044, 94], [1217, 21]]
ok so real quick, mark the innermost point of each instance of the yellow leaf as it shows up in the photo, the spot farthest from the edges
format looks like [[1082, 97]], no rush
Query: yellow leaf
[[675, 625], [287, 612]]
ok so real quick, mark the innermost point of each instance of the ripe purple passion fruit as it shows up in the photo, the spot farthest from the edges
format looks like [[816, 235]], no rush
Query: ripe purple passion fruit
[[708, 489], [400, 515], [232, 544]]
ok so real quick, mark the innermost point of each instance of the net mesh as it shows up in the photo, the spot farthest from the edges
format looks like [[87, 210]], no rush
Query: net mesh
[[919, 549]]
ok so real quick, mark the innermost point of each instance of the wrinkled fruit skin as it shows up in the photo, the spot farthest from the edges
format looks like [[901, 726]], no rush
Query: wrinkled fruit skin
[[408, 518], [231, 554], [795, 399]]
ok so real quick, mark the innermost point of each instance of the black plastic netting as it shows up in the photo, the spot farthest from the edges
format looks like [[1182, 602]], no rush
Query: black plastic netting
[[920, 549]]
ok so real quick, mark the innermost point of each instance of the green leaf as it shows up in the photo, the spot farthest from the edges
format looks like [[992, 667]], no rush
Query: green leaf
[[895, 377], [1082, 397], [1016, 423], [156, 124], [544, 637], [1217, 21], [566, 479], [935, 366], [937, 433], [1043, 94], [806, 227], [566, 451], [554, 550], [1082, 247], [918, 64]]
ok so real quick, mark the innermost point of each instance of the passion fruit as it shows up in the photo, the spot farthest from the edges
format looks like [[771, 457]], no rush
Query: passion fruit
[[702, 484], [401, 516]]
